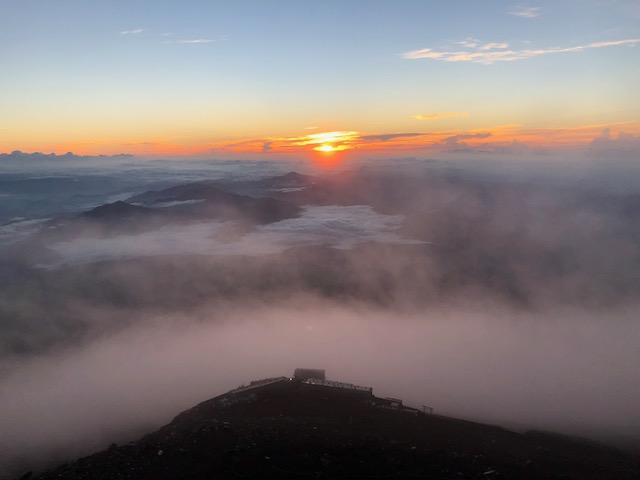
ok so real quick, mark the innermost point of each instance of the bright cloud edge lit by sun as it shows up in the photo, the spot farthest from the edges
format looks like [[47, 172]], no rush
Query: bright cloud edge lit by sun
[[349, 142]]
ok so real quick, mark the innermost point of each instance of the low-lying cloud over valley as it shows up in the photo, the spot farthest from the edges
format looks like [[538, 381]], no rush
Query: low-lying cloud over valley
[[335, 226], [485, 293]]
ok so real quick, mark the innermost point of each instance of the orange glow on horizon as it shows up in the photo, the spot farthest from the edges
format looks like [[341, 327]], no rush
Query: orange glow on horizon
[[323, 146], [328, 159]]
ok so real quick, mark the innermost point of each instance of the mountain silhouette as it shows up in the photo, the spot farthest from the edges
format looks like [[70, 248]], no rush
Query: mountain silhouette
[[116, 211], [203, 200]]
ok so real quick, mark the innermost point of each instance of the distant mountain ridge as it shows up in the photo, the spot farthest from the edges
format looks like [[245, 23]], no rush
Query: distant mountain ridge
[[153, 196], [293, 179], [189, 202], [18, 155], [255, 188], [115, 211]]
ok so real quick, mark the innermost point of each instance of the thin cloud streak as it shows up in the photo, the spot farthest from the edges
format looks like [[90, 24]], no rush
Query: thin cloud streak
[[132, 32], [385, 137], [199, 40], [493, 46], [525, 12], [475, 43], [491, 53]]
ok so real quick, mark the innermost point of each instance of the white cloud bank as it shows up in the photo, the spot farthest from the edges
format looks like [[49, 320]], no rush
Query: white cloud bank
[[18, 229], [338, 226]]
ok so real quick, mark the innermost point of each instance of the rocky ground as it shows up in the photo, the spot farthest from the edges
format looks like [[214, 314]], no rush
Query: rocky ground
[[290, 430]]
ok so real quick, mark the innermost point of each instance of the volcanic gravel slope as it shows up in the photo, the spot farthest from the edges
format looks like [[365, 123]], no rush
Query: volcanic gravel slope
[[291, 430]]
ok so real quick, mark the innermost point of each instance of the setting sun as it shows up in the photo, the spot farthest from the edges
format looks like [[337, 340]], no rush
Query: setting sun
[[331, 141], [325, 148]]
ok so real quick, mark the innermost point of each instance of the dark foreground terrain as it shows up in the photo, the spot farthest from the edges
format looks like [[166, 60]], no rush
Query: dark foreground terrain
[[288, 429]]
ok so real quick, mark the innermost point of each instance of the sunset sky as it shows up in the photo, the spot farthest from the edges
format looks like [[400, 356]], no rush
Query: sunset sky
[[267, 78]]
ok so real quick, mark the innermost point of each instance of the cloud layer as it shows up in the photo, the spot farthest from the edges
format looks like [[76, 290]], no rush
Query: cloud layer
[[338, 226], [626, 145], [521, 309]]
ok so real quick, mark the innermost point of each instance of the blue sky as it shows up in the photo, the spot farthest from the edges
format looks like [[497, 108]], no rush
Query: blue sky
[[192, 75]]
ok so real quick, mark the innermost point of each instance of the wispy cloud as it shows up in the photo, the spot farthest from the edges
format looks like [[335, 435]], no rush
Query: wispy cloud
[[469, 42], [498, 52], [439, 115], [525, 12], [493, 46], [199, 40], [195, 41], [476, 44], [132, 32], [457, 141], [385, 137]]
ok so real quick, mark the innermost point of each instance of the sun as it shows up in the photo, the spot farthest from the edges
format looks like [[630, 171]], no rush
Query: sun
[[329, 142], [325, 148], [328, 148]]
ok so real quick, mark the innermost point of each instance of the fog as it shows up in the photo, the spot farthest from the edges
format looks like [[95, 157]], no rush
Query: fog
[[571, 372], [501, 297]]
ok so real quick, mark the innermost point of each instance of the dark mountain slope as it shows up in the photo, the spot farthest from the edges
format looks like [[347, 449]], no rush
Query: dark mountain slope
[[254, 188], [291, 179], [287, 429], [116, 212], [186, 203], [168, 193], [211, 202], [220, 204]]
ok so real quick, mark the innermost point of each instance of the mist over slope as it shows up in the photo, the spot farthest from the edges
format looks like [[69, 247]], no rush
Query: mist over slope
[[290, 428], [504, 298]]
